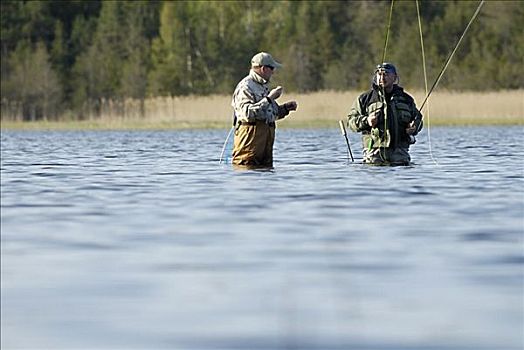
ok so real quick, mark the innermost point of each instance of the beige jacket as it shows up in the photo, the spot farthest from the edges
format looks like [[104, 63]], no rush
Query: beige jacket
[[250, 102]]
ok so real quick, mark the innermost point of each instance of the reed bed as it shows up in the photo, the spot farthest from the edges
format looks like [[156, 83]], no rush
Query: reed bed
[[319, 109]]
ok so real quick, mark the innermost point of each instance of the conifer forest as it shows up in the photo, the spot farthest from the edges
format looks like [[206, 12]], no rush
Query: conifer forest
[[59, 56]]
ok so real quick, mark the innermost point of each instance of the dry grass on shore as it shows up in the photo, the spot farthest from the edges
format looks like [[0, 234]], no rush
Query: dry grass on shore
[[319, 109]]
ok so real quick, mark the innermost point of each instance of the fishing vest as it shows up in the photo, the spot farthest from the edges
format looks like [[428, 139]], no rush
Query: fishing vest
[[395, 111]]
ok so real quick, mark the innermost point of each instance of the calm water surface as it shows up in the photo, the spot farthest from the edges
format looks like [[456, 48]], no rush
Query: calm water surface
[[142, 240]]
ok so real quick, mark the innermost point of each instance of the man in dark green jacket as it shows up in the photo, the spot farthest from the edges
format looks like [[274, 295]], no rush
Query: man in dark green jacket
[[388, 119]]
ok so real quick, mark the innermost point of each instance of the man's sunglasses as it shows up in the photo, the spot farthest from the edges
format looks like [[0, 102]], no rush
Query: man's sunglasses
[[270, 67]]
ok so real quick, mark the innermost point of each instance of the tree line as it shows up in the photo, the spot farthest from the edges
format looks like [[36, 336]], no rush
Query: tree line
[[66, 58]]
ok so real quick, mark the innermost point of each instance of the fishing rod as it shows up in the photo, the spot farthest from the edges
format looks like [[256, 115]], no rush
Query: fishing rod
[[451, 54], [343, 129], [387, 31]]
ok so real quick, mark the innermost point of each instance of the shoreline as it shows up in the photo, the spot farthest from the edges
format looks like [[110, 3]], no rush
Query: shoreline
[[319, 124], [315, 110]]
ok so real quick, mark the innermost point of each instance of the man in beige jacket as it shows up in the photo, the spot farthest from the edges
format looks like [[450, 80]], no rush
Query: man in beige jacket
[[256, 111]]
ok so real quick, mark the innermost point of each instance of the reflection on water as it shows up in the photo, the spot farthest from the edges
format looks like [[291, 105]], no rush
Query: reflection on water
[[143, 240]]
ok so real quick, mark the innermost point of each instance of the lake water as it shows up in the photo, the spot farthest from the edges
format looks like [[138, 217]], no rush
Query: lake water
[[142, 240]]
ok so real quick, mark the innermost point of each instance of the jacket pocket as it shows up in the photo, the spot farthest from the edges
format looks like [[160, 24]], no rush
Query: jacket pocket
[[376, 107], [404, 113]]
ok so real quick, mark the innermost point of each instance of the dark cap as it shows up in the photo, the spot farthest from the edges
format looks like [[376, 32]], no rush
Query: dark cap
[[386, 67]]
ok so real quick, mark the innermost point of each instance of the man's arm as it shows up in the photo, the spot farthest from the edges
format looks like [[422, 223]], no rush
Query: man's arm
[[357, 118], [416, 125]]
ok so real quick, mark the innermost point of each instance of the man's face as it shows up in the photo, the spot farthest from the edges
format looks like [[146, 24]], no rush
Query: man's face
[[266, 72], [386, 79]]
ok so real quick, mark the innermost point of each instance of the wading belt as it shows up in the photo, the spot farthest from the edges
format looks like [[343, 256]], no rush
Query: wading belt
[[272, 124]]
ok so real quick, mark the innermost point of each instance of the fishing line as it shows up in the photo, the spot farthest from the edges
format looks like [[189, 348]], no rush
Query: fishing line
[[425, 82], [225, 144], [452, 53], [382, 150], [383, 97]]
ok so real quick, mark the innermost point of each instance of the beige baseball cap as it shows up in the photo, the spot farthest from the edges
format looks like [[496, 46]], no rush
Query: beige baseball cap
[[264, 59]]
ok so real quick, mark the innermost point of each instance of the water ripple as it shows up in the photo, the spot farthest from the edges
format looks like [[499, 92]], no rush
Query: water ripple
[[147, 242]]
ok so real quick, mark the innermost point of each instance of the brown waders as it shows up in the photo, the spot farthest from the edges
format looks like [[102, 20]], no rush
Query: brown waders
[[253, 144]]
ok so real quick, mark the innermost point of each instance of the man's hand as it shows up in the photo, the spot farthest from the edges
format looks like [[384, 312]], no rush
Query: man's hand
[[291, 106], [275, 93], [373, 119], [410, 130]]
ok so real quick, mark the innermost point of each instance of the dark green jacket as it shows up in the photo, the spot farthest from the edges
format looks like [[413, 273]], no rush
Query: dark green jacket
[[390, 131]]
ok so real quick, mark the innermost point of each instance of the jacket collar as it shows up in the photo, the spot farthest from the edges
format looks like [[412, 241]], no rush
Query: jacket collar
[[395, 91], [257, 77]]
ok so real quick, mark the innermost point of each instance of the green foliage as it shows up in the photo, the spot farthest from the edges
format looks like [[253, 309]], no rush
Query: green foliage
[[95, 50], [32, 86]]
